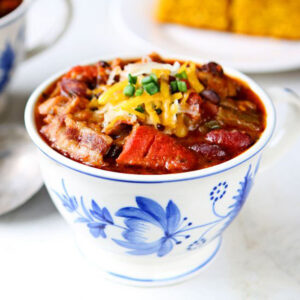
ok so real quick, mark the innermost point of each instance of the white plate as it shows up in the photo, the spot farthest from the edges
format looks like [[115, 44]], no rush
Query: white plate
[[134, 18]]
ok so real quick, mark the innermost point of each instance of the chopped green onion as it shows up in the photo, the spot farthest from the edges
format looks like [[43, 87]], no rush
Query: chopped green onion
[[182, 75], [182, 86], [213, 124], [140, 108], [154, 77], [129, 90], [146, 80], [132, 79], [151, 78], [158, 111], [151, 88], [174, 86], [139, 92]]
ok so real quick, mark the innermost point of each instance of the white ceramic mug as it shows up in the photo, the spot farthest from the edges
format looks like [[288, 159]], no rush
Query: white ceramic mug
[[153, 229], [12, 42]]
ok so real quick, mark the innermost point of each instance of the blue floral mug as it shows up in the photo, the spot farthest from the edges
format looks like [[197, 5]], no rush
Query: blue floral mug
[[12, 43], [155, 229]]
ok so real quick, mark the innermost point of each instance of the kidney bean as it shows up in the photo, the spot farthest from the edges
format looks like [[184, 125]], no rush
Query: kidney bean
[[209, 151], [213, 68], [211, 96], [73, 87], [231, 140]]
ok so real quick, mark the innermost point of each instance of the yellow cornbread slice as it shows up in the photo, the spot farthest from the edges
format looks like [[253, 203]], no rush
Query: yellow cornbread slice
[[277, 18], [198, 13]]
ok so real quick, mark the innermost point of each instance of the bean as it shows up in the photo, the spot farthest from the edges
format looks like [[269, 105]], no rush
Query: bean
[[211, 96], [160, 127], [103, 64], [213, 68]]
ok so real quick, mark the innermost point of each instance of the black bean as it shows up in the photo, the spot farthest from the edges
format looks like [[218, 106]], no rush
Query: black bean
[[160, 127], [114, 152], [171, 78], [211, 96], [104, 64]]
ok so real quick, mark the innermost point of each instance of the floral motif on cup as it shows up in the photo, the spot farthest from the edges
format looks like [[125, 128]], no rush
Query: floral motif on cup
[[149, 228]]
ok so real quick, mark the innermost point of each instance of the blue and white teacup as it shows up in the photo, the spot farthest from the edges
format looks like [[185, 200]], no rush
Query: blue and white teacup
[[154, 229], [12, 43]]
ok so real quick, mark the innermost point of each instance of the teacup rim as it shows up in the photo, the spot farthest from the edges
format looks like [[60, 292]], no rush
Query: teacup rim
[[162, 178], [15, 14]]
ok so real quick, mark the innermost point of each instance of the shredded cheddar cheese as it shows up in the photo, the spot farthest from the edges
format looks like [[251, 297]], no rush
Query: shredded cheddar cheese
[[114, 94], [192, 78], [159, 108]]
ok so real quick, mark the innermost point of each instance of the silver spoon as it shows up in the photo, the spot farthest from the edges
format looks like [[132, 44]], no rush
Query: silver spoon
[[20, 176]]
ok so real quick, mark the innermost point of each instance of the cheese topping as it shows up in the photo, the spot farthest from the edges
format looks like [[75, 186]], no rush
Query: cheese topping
[[162, 107]]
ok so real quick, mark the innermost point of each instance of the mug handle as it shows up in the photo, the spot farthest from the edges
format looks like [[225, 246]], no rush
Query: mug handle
[[45, 45], [287, 130]]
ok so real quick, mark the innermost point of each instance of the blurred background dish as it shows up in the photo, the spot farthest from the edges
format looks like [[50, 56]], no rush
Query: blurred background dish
[[274, 18], [20, 175], [252, 54], [19, 171]]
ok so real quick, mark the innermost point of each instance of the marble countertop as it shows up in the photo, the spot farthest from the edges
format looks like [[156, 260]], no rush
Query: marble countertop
[[260, 255]]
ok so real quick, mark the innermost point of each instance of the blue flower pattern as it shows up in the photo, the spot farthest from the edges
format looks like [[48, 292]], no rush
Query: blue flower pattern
[[217, 193], [150, 228], [95, 218], [148, 216]]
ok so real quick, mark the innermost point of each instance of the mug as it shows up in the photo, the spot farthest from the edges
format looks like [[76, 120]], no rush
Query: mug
[[155, 229], [12, 43]]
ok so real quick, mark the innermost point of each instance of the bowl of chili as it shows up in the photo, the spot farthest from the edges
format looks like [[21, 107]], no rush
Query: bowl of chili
[[149, 159]]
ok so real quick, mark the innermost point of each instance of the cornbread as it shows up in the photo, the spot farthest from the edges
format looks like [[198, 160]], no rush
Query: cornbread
[[276, 18], [196, 13]]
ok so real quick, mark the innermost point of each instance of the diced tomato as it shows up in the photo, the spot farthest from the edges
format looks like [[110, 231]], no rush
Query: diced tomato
[[232, 140], [186, 82], [147, 147], [85, 73]]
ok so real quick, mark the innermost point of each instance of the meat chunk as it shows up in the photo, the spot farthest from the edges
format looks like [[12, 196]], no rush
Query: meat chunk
[[61, 105], [89, 136], [232, 140], [149, 148], [52, 105], [194, 102], [77, 139], [213, 77]]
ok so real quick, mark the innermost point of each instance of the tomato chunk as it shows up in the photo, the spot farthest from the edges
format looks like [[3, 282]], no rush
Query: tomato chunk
[[147, 147], [85, 73], [232, 140]]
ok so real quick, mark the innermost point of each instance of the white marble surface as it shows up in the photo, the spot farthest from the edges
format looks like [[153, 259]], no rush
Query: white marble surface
[[260, 256]]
